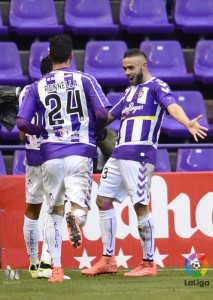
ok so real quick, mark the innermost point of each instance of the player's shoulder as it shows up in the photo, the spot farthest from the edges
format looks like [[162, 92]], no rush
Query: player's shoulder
[[24, 90], [87, 76], [158, 82]]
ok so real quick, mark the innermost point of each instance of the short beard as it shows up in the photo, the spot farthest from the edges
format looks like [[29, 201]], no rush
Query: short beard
[[139, 78]]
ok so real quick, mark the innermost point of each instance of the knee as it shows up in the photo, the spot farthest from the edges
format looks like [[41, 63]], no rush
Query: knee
[[33, 211], [104, 203], [141, 210]]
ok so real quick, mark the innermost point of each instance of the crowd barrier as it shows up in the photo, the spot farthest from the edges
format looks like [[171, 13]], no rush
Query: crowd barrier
[[182, 207]]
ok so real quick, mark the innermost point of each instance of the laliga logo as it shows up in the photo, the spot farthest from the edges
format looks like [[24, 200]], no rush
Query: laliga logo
[[196, 265]]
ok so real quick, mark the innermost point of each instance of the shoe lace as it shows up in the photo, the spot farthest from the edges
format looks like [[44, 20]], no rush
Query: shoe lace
[[146, 264]]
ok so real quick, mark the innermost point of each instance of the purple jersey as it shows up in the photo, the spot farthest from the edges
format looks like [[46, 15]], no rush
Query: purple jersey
[[68, 101], [32, 145], [141, 111]]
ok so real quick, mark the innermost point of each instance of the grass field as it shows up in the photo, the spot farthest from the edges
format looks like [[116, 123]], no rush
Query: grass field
[[171, 284]]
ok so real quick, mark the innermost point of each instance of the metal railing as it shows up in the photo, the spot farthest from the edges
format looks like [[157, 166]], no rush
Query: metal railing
[[160, 146]]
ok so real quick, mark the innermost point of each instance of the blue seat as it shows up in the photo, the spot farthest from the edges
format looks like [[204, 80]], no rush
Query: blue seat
[[163, 163], [189, 160], [203, 61], [10, 65], [2, 165], [29, 17], [194, 105], [38, 51], [19, 162], [10, 136], [194, 16], [3, 28], [142, 16], [103, 60], [113, 98], [91, 18], [166, 61]]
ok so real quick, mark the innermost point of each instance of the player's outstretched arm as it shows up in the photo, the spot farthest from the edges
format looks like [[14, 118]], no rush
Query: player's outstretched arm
[[196, 129], [193, 126]]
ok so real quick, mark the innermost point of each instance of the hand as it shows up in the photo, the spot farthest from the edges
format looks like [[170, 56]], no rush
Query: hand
[[101, 135], [196, 129]]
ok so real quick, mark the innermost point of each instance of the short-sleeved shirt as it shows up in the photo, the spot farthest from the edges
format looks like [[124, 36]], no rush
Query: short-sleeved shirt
[[141, 112], [33, 142], [68, 101]]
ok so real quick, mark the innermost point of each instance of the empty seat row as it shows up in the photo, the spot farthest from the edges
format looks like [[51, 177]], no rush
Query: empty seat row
[[190, 160], [192, 102], [83, 17], [187, 160], [18, 163], [103, 59]]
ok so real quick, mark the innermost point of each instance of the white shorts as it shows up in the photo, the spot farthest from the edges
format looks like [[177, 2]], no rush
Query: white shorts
[[71, 176], [34, 185], [121, 178]]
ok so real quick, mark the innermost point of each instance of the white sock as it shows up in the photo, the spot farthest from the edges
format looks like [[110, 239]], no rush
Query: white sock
[[45, 254], [31, 237], [54, 238], [146, 233], [108, 227]]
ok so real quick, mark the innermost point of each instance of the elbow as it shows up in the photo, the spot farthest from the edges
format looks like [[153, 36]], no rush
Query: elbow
[[19, 124]]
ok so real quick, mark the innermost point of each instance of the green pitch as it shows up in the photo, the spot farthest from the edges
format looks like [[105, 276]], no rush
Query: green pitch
[[171, 284]]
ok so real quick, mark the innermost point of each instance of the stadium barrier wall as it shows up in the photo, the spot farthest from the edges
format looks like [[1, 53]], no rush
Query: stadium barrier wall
[[182, 207]]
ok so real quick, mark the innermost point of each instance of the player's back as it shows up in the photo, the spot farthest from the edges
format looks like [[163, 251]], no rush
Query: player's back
[[69, 100]]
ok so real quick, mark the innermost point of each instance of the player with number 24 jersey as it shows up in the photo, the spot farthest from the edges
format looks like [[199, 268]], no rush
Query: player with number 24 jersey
[[68, 101]]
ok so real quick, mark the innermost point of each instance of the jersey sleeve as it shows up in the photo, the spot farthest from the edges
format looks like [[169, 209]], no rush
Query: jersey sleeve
[[29, 106], [116, 110], [164, 94], [95, 93], [22, 95]]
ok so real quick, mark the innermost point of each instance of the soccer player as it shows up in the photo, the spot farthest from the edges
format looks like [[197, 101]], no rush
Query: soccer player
[[74, 110], [35, 192], [129, 170]]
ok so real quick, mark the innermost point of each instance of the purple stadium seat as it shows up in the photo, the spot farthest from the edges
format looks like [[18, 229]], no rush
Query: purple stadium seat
[[89, 17], [19, 162], [144, 16], [163, 163], [113, 98], [38, 51], [34, 17], [194, 160], [10, 136], [3, 28], [203, 61], [2, 165], [194, 105], [194, 16], [10, 65], [103, 60], [166, 61]]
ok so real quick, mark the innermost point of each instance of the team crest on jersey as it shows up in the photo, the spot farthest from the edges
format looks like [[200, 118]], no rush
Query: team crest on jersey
[[169, 98], [62, 133], [140, 93]]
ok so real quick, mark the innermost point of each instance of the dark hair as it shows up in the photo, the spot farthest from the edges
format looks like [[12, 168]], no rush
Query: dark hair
[[60, 48], [46, 65], [134, 52]]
